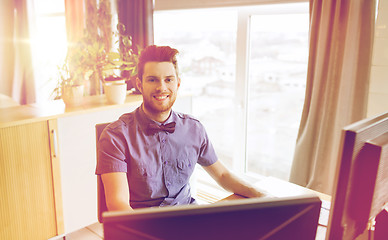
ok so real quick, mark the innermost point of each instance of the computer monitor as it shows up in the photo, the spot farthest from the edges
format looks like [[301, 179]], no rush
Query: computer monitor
[[361, 190], [250, 218]]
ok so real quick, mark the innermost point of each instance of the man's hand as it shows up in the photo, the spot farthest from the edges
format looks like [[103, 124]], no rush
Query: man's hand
[[230, 182]]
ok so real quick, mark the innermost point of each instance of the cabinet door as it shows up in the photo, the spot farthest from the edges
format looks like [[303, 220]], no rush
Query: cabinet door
[[27, 201]]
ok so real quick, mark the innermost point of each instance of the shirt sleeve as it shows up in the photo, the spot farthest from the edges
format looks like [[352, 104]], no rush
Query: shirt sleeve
[[207, 154], [112, 149]]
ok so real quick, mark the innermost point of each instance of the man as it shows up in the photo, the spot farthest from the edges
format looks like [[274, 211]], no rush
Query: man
[[146, 157]]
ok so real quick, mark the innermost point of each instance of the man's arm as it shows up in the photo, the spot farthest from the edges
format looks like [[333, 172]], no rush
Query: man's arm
[[230, 182], [116, 191]]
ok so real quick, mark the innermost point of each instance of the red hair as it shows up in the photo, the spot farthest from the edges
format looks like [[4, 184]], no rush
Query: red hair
[[155, 53]]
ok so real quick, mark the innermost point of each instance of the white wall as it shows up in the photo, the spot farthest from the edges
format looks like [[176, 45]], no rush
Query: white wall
[[378, 89]]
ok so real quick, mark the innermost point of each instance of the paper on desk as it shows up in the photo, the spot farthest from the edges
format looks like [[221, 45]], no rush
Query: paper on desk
[[279, 188]]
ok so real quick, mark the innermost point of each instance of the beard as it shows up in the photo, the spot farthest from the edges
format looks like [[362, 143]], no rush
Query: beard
[[154, 107]]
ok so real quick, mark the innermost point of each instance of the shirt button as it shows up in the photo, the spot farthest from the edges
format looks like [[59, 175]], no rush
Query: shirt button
[[163, 140]]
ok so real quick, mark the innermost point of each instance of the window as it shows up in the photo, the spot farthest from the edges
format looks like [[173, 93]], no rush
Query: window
[[49, 44], [277, 76], [246, 69]]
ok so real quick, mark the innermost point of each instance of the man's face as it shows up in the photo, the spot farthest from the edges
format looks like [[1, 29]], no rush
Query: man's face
[[159, 87]]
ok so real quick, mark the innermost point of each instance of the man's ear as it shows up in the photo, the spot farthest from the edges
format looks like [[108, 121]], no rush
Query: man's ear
[[179, 82], [138, 85]]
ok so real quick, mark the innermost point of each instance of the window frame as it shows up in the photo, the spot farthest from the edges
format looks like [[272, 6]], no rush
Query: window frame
[[242, 76]]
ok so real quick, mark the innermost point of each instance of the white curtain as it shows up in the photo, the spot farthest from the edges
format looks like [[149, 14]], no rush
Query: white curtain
[[341, 41], [16, 71], [75, 22]]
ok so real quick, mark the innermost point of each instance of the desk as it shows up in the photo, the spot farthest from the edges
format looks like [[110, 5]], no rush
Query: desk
[[280, 188], [274, 186]]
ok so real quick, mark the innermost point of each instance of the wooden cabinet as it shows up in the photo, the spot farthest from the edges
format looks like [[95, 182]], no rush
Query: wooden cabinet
[[28, 207], [33, 202]]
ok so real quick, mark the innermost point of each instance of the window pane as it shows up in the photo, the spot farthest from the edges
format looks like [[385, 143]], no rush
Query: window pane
[[49, 45], [206, 39], [277, 76]]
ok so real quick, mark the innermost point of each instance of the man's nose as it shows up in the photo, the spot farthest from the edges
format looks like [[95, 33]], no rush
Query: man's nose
[[161, 86]]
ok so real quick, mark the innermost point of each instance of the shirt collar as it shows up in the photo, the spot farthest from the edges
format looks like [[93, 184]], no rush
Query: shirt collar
[[144, 120]]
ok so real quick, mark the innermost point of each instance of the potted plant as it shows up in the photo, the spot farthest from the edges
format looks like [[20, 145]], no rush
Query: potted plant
[[90, 65], [119, 67], [92, 61], [122, 60], [70, 87], [129, 57], [103, 65]]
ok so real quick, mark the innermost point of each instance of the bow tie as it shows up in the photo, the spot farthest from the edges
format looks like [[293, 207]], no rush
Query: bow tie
[[154, 128]]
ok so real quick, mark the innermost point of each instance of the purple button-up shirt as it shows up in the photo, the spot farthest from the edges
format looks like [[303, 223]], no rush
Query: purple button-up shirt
[[158, 165]]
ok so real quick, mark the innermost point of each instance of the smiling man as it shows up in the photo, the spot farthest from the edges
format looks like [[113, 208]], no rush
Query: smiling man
[[147, 156]]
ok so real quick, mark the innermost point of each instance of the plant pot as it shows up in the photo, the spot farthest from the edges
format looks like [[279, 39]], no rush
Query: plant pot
[[73, 95], [115, 92], [114, 80]]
